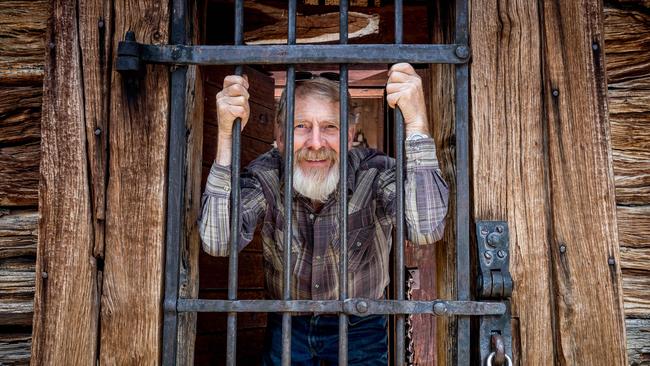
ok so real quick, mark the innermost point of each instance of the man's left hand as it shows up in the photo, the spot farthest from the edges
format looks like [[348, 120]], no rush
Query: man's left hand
[[404, 89]]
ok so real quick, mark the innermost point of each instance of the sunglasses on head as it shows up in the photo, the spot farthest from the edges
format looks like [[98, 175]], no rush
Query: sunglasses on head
[[306, 75]]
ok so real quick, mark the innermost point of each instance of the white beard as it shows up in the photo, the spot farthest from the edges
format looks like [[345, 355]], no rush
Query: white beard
[[316, 184]]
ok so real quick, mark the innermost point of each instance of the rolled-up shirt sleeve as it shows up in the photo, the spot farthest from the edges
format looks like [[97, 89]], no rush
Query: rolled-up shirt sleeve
[[426, 193], [214, 223]]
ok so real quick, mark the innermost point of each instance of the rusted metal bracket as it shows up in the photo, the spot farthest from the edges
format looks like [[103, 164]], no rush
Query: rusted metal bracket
[[495, 283]]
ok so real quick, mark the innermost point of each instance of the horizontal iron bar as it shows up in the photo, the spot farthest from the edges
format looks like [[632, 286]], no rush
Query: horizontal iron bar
[[304, 54], [349, 306]]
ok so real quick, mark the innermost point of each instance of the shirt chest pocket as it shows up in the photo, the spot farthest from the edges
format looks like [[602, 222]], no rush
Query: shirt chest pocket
[[361, 238], [274, 249]]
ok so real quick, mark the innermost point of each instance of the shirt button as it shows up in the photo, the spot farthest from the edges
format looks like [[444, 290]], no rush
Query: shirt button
[[318, 257], [226, 188], [317, 285], [311, 216], [358, 244], [417, 161]]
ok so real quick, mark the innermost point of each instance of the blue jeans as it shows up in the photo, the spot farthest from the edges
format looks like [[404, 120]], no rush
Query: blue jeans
[[316, 338]]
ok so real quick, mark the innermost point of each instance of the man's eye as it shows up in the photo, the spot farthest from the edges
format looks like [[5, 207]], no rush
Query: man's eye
[[332, 127], [300, 126]]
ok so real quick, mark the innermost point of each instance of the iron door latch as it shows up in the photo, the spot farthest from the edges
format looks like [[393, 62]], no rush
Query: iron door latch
[[494, 282]]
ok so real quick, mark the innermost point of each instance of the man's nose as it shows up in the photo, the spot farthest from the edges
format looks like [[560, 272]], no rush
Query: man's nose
[[316, 139]]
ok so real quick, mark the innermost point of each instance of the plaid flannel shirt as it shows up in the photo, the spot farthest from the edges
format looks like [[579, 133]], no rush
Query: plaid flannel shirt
[[316, 236]]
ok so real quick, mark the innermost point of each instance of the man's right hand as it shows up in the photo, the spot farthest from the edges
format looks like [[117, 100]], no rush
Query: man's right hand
[[232, 103]]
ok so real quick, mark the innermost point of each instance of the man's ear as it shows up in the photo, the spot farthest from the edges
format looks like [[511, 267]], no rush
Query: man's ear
[[279, 137], [352, 129]]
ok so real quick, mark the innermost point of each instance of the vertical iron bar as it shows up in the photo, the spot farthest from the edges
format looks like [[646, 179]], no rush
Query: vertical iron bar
[[175, 188], [343, 188], [399, 189], [233, 262], [288, 187], [462, 184]]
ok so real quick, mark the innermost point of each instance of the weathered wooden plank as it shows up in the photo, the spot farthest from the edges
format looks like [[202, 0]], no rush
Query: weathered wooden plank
[[509, 163], [17, 279], [95, 29], [633, 226], [629, 115], [635, 258], [581, 188], [627, 43], [442, 124], [22, 40], [65, 311], [636, 286], [19, 174], [131, 302], [15, 349], [638, 341], [18, 233], [190, 246], [20, 114], [16, 312]]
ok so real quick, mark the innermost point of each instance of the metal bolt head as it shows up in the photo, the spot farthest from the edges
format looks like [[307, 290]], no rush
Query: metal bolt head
[[484, 231], [100, 24], [98, 131], [493, 239], [439, 308], [556, 92], [594, 46], [562, 248], [362, 307], [462, 52], [611, 261], [44, 274], [501, 254]]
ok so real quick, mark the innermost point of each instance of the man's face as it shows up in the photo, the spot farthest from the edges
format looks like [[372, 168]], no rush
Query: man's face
[[316, 146]]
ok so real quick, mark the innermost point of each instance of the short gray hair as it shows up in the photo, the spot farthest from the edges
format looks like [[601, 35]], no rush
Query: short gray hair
[[317, 86]]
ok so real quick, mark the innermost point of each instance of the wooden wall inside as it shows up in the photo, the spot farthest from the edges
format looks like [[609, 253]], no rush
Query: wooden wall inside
[[22, 53], [627, 49]]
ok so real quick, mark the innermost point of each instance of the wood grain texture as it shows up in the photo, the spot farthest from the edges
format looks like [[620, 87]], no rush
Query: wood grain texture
[[95, 29], [18, 233], [509, 172], [15, 349], [66, 301], [22, 41], [190, 246], [634, 226], [20, 114], [627, 45], [442, 125], [627, 42], [131, 300], [638, 341], [581, 188], [19, 174], [636, 282]]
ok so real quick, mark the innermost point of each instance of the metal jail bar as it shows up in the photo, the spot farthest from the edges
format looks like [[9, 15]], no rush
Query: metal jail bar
[[399, 212], [343, 181], [233, 261], [181, 54], [462, 183]]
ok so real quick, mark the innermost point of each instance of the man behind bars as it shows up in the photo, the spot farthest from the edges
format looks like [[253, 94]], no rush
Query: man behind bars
[[316, 235]]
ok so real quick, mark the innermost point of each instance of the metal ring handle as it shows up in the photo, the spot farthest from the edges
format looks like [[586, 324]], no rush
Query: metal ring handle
[[491, 356]]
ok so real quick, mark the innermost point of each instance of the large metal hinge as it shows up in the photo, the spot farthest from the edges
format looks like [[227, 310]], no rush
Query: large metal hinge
[[494, 283]]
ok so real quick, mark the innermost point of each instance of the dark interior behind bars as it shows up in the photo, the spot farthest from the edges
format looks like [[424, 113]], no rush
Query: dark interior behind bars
[[309, 54]]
